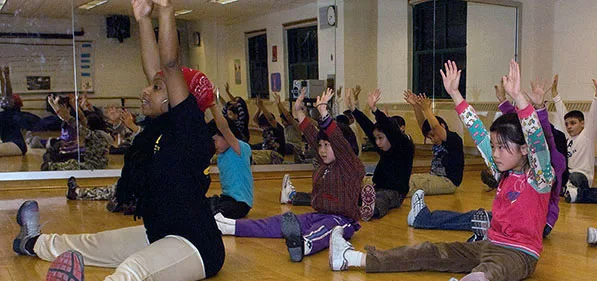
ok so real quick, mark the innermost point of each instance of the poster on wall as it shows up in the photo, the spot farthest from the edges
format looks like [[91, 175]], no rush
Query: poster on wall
[[274, 53], [237, 79], [276, 82]]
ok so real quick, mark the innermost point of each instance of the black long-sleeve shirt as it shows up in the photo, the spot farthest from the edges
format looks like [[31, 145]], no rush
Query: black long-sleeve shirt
[[395, 165]]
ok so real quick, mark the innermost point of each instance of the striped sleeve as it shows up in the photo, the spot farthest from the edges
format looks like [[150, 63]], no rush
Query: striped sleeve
[[539, 157], [479, 133]]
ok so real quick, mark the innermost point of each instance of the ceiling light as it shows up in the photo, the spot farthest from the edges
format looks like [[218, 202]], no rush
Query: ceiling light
[[92, 4], [223, 2], [2, 2], [181, 12]]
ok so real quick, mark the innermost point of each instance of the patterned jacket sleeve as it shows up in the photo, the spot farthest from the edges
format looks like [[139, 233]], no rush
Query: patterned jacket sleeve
[[479, 134], [539, 157]]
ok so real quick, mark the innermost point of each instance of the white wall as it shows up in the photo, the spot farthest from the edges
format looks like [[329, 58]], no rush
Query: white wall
[[574, 43], [393, 49], [490, 44]]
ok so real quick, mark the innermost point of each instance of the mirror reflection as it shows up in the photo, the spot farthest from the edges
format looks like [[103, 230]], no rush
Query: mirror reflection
[[79, 76]]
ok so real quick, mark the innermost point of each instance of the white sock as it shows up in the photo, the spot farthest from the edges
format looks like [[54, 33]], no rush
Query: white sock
[[220, 218], [226, 228], [354, 258]]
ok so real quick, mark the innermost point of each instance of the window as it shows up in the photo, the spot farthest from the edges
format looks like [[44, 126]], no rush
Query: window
[[448, 20], [258, 80], [302, 54]]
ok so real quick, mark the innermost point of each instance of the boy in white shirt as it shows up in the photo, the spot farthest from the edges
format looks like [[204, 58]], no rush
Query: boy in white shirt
[[580, 135]]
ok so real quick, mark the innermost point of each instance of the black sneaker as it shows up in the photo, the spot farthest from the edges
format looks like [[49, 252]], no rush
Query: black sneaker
[[547, 230], [71, 193], [488, 179], [480, 224], [291, 229], [113, 206]]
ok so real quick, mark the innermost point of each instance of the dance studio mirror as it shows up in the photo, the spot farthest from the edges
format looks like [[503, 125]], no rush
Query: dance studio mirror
[[256, 47]]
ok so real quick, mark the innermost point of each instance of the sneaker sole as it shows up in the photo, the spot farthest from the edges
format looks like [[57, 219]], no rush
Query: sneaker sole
[[480, 223], [16, 243], [285, 181], [291, 230], [368, 202], [68, 266]]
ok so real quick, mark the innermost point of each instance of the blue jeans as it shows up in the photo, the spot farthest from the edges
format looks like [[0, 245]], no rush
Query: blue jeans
[[446, 220]]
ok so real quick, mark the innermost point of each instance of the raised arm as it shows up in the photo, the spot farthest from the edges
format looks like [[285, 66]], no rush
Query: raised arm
[[538, 153], [256, 116], [411, 99], [299, 108], [230, 96], [591, 120], [284, 111], [223, 127], [149, 48], [560, 107], [437, 129], [268, 115], [505, 106], [7, 83], [169, 54], [363, 121]]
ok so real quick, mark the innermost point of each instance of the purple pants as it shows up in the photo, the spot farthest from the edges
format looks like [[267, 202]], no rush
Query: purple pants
[[315, 227]]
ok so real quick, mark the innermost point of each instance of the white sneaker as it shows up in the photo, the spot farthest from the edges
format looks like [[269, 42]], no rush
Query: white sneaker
[[338, 248], [592, 235], [416, 205], [571, 194], [287, 191]]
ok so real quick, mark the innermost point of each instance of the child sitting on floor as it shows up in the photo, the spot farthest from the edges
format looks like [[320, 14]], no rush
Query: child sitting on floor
[[336, 188], [234, 163], [516, 152]]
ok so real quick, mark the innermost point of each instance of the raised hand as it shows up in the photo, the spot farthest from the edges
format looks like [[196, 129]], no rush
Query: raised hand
[[6, 70], [339, 92], [162, 3], [59, 108], [142, 8], [424, 102], [349, 99], [357, 91], [537, 95], [127, 118], [512, 85], [410, 97], [500, 93], [595, 85], [451, 77], [373, 98], [276, 97], [325, 97], [298, 104], [554, 86]]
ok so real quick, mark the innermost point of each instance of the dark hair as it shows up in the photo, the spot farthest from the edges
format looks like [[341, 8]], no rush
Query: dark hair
[[575, 114], [213, 130], [95, 122], [348, 113], [398, 120], [262, 121], [342, 119], [508, 130], [426, 128], [232, 108], [321, 135]]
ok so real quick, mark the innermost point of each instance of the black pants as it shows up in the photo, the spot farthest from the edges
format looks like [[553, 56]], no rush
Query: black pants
[[586, 194], [385, 200], [301, 199], [229, 207]]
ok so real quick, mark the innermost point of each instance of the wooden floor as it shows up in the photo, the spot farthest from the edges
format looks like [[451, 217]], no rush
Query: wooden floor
[[566, 255]]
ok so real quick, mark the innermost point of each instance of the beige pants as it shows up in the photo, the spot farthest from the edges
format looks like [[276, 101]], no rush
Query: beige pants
[[431, 184], [10, 149], [170, 258]]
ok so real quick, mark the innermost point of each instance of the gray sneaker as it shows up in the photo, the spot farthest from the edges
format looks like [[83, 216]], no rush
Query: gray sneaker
[[28, 219], [291, 230], [592, 236], [480, 224]]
